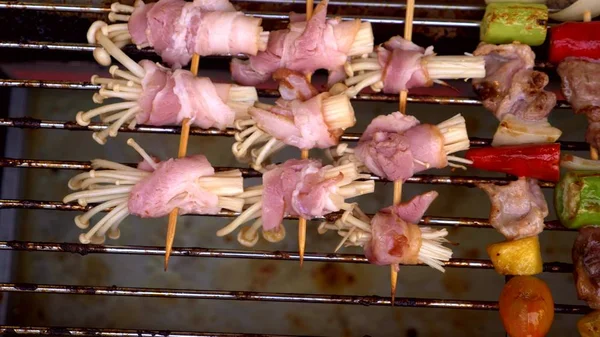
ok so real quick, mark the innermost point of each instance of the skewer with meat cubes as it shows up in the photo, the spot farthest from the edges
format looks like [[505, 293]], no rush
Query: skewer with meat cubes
[[177, 29], [302, 188], [151, 190], [155, 95]]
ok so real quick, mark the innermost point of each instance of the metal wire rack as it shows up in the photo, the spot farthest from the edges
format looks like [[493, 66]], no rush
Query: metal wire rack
[[75, 248]]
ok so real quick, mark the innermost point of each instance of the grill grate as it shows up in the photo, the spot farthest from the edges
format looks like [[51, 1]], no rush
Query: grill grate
[[31, 246]]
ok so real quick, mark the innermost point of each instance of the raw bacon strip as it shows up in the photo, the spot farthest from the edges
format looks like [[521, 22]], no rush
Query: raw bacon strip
[[402, 65], [151, 190], [172, 185], [294, 85], [163, 97], [305, 47], [518, 209]]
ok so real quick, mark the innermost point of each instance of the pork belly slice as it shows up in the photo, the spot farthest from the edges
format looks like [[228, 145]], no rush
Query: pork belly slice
[[581, 86], [518, 209], [303, 188], [151, 190], [393, 237], [586, 262], [294, 85], [177, 29], [162, 97], [306, 46], [397, 146]]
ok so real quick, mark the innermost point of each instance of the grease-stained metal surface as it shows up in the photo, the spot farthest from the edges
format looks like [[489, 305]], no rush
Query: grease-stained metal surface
[[205, 269]]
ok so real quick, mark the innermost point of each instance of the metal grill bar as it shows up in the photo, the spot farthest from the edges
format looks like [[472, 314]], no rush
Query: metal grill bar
[[271, 93], [31, 123], [268, 297], [374, 4], [81, 249], [85, 332], [250, 173], [427, 220]]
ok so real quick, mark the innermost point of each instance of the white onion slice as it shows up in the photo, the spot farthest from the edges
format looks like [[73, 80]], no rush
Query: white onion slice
[[513, 131], [576, 10], [519, 1], [571, 162]]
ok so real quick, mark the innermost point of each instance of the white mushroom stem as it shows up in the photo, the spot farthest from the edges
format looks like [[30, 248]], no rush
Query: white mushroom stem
[[142, 153], [103, 198], [250, 213], [106, 93], [571, 162], [84, 118], [240, 99], [232, 204], [222, 186], [364, 80], [363, 41], [432, 251], [248, 235], [456, 139], [96, 193], [114, 51], [261, 154], [115, 215], [338, 112], [113, 129], [454, 67], [263, 40], [114, 17], [120, 8], [116, 72], [83, 221]]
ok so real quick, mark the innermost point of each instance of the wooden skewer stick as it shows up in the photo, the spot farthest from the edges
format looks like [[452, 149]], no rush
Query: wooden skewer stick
[[183, 144], [304, 155], [408, 23], [587, 17]]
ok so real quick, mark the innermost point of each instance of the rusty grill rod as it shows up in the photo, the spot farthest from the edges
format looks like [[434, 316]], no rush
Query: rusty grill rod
[[32, 123], [81, 249], [372, 300], [85, 332], [427, 220], [250, 173]]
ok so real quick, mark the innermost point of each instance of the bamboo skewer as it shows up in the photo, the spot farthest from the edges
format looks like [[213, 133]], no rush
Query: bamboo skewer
[[183, 143], [587, 17], [408, 22], [304, 155]]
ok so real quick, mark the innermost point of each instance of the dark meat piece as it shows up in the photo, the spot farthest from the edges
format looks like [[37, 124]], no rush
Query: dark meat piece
[[511, 86], [581, 87], [586, 263], [559, 4]]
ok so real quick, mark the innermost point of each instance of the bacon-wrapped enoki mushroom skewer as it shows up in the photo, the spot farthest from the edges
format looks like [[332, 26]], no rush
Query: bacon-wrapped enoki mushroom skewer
[[399, 65], [307, 46], [295, 188], [155, 95], [151, 190], [316, 123], [396, 146], [177, 29], [393, 237]]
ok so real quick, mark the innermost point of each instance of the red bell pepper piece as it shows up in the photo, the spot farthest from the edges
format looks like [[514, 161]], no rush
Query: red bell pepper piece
[[540, 161], [575, 39]]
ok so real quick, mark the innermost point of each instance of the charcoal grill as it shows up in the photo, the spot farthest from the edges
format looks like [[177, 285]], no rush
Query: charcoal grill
[[52, 32]]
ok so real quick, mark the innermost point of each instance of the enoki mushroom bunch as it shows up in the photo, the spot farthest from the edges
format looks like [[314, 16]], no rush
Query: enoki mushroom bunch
[[367, 71], [346, 186], [109, 185], [455, 139], [355, 228], [259, 138]]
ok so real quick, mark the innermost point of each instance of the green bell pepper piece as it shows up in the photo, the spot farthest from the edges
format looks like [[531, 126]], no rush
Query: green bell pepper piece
[[509, 22], [577, 199]]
